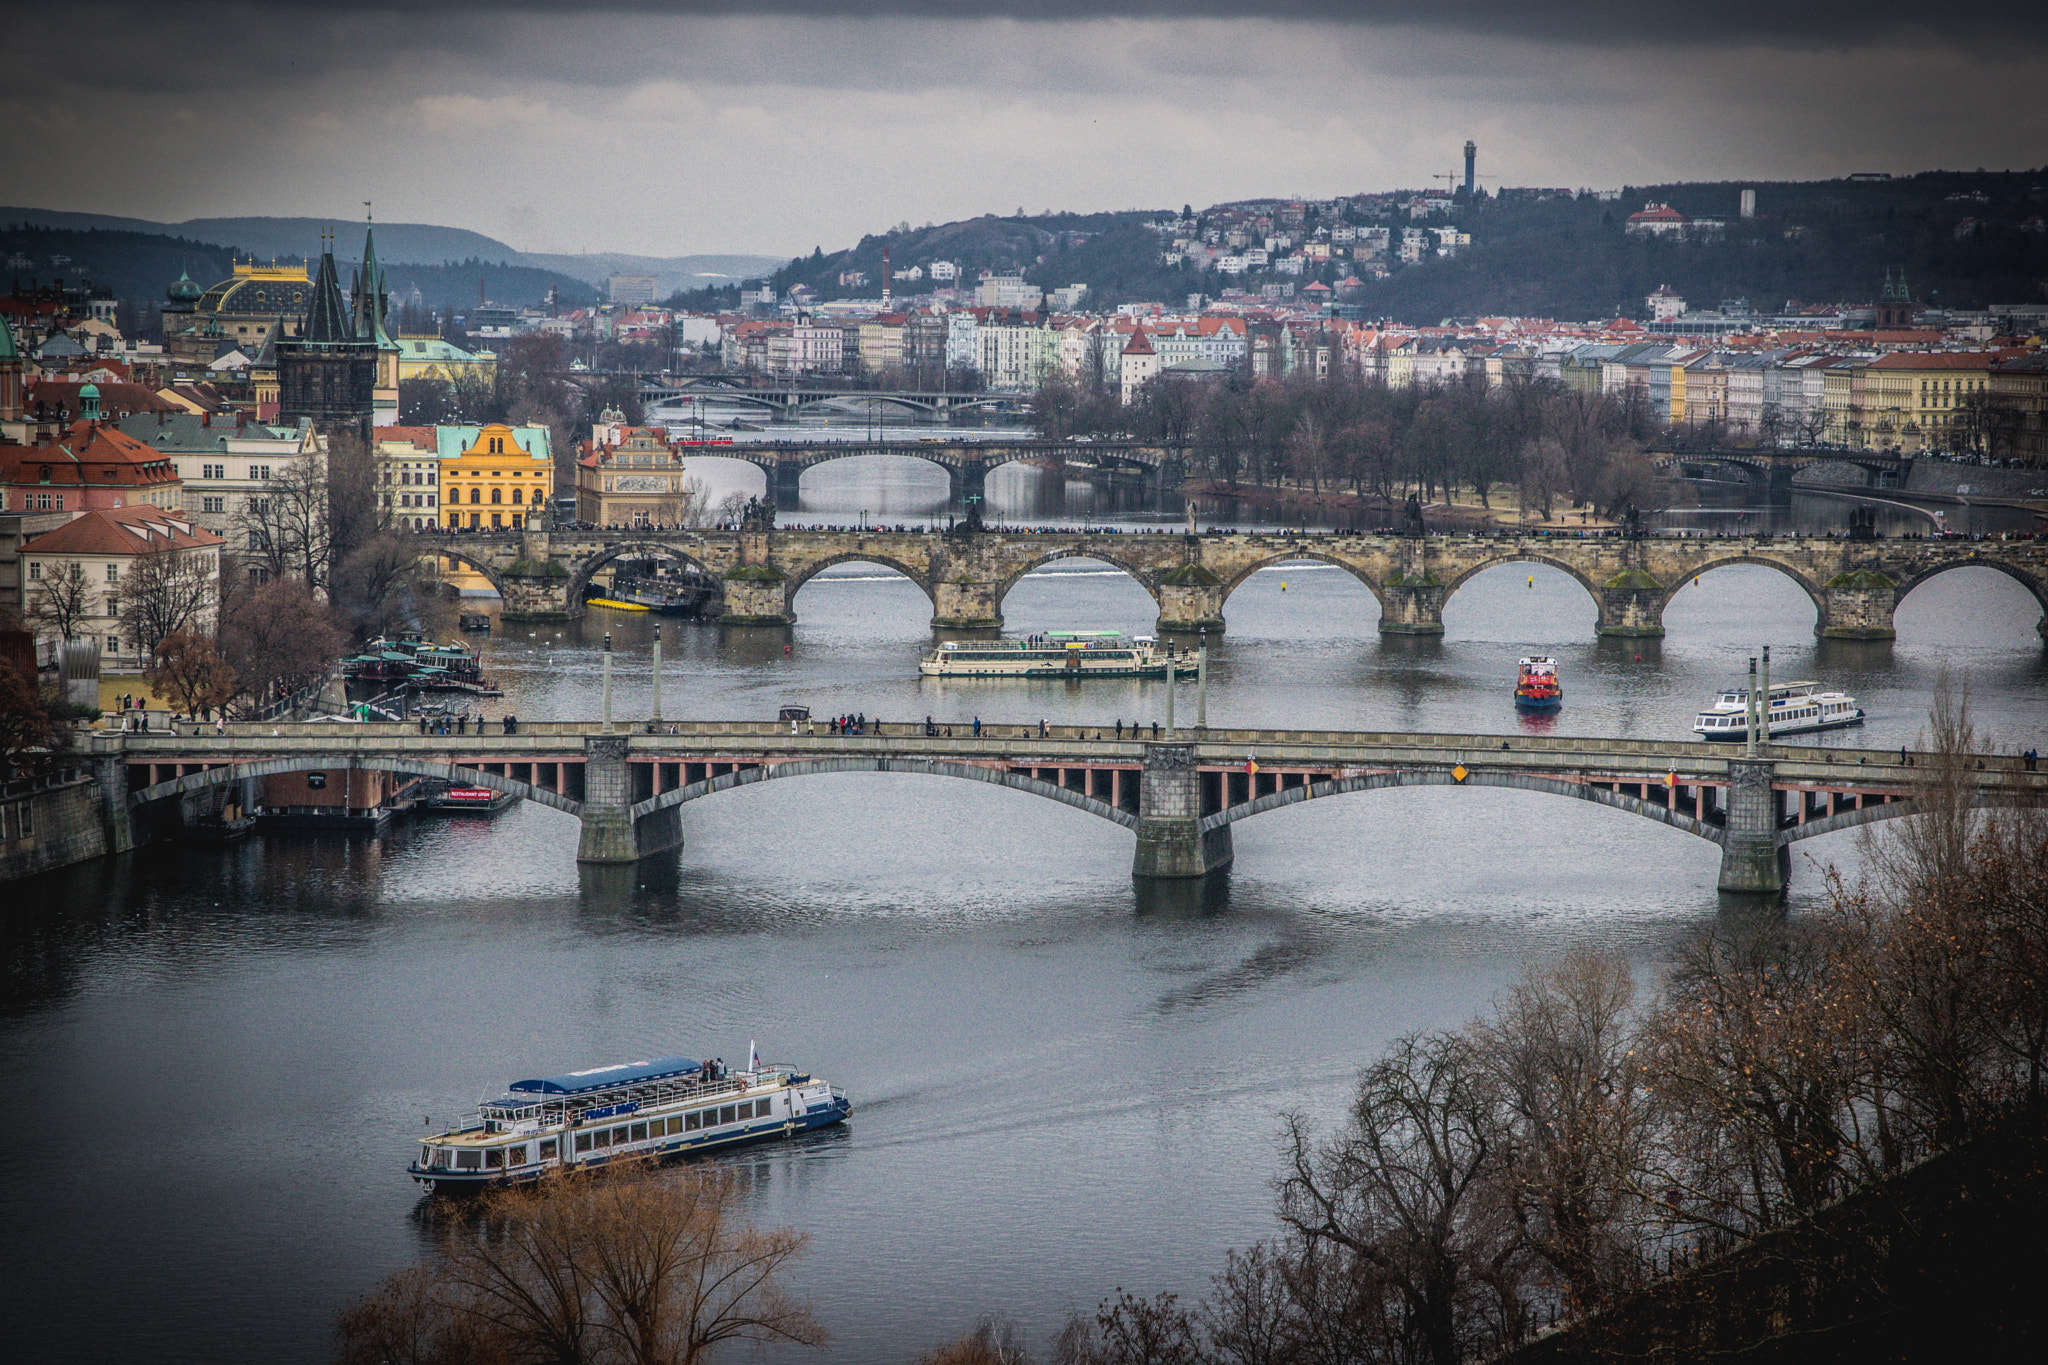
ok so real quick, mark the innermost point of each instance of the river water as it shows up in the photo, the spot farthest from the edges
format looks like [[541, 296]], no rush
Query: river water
[[1063, 1084]]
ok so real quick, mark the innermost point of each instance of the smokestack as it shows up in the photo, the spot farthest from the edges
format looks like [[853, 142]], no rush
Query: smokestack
[[885, 279], [1471, 165], [1749, 203]]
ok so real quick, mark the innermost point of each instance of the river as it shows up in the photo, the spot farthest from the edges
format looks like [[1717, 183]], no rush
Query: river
[[1063, 1085]]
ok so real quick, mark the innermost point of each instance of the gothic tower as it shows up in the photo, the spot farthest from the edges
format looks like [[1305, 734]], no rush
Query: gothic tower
[[369, 301], [1895, 308], [327, 374]]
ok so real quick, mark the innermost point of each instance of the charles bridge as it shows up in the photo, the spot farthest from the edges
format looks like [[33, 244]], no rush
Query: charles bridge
[[543, 573], [1179, 792]]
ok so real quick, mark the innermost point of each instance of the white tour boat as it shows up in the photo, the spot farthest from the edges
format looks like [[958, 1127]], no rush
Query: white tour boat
[[632, 1111], [1059, 654], [1797, 708]]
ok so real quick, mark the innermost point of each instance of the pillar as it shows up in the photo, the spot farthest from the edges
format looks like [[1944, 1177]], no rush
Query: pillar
[[1170, 840], [110, 783], [1632, 605], [757, 595], [1857, 605], [1753, 862], [970, 481], [1191, 600], [785, 483], [1412, 605], [610, 833], [538, 590], [966, 602]]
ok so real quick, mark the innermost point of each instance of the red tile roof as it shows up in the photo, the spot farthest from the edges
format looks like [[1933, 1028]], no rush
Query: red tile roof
[[88, 453], [122, 531]]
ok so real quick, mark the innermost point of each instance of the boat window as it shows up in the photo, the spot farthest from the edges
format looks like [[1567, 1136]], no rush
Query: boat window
[[729, 1114], [441, 1158], [468, 1159], [426, 1156], [602, 1137], [495, 1158], [675, 1124], [547, 1149], [583, 1142], [747, 1110], [518, 1157], [639, 1132], [619, 1136]]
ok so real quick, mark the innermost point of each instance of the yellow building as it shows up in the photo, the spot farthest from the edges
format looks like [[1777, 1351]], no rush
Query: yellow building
[[428, 357], [494, 477], [1923, 400]]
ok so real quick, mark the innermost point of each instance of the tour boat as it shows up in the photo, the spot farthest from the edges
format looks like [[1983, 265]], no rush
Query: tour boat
[[1797, 708], [634, 1111], [1536, 685], [1059, 654]]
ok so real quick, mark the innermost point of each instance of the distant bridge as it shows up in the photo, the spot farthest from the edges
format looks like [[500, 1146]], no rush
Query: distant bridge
[[1854, 585], [787, 398], [967, 463], [1179, 794], [1774, 472]]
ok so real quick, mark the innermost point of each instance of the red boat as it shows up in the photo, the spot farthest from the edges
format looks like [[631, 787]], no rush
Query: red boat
[[1536, 686]]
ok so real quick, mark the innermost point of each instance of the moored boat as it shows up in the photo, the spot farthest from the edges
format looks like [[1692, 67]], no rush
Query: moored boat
[[1059, 654], [634, 1111], [1796, 708], [1536, 684]]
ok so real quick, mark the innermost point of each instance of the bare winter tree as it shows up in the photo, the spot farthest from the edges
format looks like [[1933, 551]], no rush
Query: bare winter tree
[[277, 635], [186, 668], [591, 1270], [167, 590], [286, 528], [62, 599]]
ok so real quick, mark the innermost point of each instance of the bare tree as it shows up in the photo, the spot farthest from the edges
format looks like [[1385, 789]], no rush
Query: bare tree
[[186, 668], [286, 528], [62, 599], [277, 636], [167, 590], [595, 1269]]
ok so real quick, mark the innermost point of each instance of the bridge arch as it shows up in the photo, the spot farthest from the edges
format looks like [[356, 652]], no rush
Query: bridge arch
[[1806, 585], [879, 763], [1233, 583], [809, 571], [1526, 556], [641, 548], [2030, 582], [270, 767], [1444, 778], [1092, 550], [447, 550]]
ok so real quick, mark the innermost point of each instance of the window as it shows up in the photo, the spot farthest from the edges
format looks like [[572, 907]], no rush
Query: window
[[476, 495], [619, 1135], [497, 495], [515, 521], [583, 1142], [729, 1114], [548, 1148], [468, 1160], [113, 573], [518, 495], [495, 1158], [639, 1132], [213, 504], [213, 471], [497, 521], [260, 473], [430, 499], [693, 1121], [35, 570], [602, 1137], [747, 1110]]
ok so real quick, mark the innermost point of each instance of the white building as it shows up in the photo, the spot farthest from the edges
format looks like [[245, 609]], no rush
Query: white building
[[104, 548], [222, 461]]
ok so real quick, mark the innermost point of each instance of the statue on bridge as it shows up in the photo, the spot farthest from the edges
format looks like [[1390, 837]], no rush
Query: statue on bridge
[[1411, 518], [1632, 522], [1863, 522], [970, 524], [758, 515]]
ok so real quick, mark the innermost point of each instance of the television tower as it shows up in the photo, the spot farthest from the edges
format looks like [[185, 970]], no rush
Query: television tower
[[885, 279], [1471, 165]]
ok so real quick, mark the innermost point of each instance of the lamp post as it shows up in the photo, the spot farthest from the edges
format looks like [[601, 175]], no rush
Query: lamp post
[[657, 674], [1202, 684], [607, 682]]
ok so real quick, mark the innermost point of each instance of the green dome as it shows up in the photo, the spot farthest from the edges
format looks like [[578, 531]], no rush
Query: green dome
[[88, 391], [184, 289]]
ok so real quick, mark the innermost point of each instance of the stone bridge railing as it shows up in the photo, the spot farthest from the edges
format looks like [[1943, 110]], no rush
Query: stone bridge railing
[[1178, 793], [1855, 585]]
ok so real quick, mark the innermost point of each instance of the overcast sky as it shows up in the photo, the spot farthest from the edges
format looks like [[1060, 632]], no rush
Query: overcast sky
[[675, 128]]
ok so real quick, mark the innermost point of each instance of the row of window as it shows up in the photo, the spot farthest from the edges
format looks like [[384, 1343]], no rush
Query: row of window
[[592, 1140], [476, 521], [497, 495]]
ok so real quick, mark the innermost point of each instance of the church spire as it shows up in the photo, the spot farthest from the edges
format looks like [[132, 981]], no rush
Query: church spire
[[371, 293], [327, 320]]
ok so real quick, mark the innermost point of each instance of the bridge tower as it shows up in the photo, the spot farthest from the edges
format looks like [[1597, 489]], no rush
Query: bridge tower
[[611, 834], [1171, 843]]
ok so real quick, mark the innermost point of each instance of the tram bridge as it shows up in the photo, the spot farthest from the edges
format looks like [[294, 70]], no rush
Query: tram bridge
[[1855, 585], [1178, 793], [789, 398]]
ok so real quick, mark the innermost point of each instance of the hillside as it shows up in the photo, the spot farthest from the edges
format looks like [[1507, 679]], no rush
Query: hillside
[[410, 244]]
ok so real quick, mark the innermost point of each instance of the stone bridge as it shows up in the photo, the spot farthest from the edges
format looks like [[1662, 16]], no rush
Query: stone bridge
[[1774, 472], [1178, 793], [967, 463], [1854, 585]]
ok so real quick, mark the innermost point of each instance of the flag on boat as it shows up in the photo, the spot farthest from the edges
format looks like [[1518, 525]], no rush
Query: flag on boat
[[753, 1055]]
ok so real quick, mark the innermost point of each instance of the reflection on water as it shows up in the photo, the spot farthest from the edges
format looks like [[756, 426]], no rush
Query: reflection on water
[[1064, 1082]]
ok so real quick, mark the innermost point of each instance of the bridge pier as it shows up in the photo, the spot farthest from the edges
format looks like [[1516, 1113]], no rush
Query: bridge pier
[[610, 832], [1858, 605], [1413, 605], [785, 481], [1753, 861], [110, 781], [1171, 844], [1632, 605], [969, 481], [1191, 598]]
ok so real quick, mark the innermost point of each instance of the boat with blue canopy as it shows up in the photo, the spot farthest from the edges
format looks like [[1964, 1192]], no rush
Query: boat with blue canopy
[[629, 1111]]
